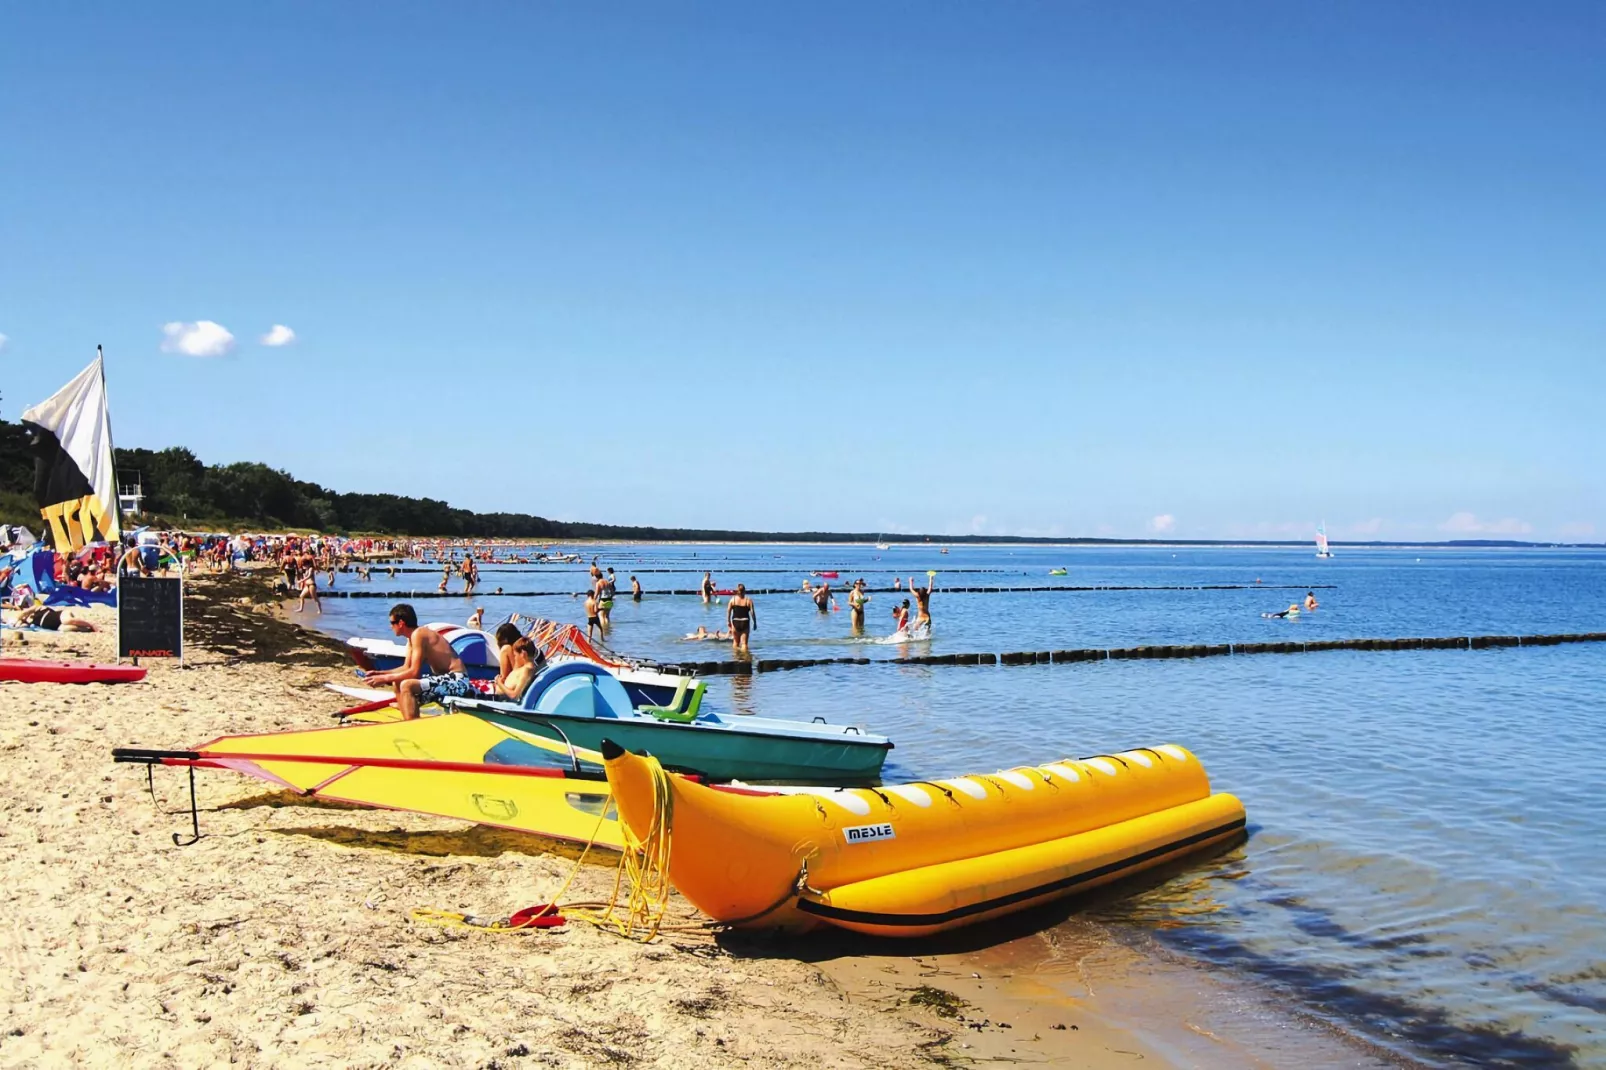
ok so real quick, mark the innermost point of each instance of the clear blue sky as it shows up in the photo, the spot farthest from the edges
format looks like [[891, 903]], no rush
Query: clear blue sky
[[1055, 268]]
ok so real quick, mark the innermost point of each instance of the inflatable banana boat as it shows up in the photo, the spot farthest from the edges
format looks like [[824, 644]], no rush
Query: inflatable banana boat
[[920, 858]]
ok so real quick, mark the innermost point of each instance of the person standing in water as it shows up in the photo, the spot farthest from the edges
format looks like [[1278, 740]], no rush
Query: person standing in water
[[741, 617], [923, 599], [822, 597], [708, 587], [605, 600], [593, 625], [1310, 600], [635, 589], [856, 600]]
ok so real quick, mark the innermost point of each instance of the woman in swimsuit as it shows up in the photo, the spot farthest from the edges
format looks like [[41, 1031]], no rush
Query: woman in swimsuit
[[708, 587], [741, 616]]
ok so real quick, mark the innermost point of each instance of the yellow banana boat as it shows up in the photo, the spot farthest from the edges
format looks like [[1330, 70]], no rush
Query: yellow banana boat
[[919, 858]]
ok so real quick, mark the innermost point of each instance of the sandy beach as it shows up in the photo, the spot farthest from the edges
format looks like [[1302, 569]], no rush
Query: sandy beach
[[285, 936]]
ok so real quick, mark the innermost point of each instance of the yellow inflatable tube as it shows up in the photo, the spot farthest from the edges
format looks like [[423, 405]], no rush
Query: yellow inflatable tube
[[913, 859]]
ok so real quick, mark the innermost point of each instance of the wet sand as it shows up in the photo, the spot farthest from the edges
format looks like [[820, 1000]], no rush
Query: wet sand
[[285, 936]]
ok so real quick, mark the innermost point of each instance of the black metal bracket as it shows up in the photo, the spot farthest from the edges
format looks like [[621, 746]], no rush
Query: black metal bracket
[[195, 817], [150, 759]]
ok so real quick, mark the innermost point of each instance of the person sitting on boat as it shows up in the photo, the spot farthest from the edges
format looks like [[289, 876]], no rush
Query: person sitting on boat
[[1310, 600], [432, 670], [741, 616], [527, 661], [506, 635]]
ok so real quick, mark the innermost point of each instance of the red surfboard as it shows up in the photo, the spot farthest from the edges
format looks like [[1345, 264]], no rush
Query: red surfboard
[[28, 671]]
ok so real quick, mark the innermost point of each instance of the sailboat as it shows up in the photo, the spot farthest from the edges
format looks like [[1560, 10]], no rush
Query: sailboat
[[1321, 541], [881, 544]]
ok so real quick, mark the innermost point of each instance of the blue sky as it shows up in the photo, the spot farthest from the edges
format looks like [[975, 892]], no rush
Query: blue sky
[[1211, 271]]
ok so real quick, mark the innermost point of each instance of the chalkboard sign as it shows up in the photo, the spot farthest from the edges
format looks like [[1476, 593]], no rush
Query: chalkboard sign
[[150, 617]]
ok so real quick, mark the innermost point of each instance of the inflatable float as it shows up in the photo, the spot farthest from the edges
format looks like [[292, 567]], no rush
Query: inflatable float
[[27, 671], [920, 858]]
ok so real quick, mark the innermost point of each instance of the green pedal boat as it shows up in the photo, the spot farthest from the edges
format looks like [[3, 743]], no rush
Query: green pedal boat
[[577, 704]]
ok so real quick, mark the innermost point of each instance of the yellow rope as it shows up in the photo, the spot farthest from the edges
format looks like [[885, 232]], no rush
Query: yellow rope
[[644, 863]]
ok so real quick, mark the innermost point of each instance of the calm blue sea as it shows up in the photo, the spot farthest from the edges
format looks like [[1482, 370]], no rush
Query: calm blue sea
[[1427, 859]]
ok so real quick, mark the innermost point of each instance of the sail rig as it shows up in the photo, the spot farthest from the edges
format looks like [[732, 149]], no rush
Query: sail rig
[[433, 765], [1321, 541]]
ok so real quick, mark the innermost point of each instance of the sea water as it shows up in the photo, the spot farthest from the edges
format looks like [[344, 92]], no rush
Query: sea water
[[1426, 864]]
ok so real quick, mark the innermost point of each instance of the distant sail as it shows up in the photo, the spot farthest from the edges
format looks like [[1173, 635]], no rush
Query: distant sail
[[74, 482], [1321, 542]]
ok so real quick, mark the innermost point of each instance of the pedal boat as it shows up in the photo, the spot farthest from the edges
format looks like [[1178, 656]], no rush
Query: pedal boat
[[579, 704]]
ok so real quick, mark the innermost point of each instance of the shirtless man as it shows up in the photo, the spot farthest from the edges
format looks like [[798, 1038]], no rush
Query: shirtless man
[[593, 623], [923, 599], [432, 670], [471, 576], [1310, 600], [708, 587]]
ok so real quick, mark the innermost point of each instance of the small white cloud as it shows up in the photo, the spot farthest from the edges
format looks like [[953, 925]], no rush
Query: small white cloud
[[1163, 523], [203, 338], [1367, 527], [1469, 524], [3, 341], [978, 524], [1577, 529], [278, 335]]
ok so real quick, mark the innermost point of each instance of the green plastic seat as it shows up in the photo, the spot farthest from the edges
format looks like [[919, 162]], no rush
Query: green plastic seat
[[675, 711]]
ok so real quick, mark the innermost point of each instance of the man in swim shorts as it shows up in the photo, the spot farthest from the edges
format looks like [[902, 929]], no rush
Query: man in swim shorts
[[432, 670], [741, 616], [593, 623]]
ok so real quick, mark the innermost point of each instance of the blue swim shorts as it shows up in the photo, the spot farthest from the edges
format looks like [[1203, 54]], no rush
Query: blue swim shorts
[[446, 685]]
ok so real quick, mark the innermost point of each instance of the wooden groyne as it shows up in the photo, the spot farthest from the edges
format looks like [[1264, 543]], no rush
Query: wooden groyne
[[624, 595], [733, 667]]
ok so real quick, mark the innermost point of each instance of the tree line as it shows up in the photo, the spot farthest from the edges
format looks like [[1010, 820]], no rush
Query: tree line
[[181, 491]]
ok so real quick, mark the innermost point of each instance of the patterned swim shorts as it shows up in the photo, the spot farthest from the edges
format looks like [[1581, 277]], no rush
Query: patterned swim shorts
[[446, 685]]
